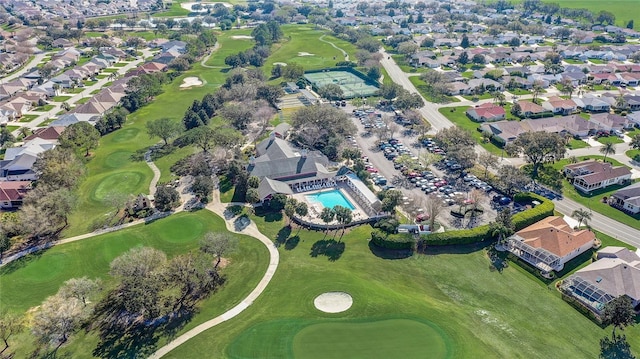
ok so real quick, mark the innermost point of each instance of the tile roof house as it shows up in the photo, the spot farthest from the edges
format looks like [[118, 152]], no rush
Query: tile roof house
[[12, 193], [588, 176], [507, 131], [592, 104], [48, 134], [529, 109], [627, 199], [486, 112], [558, 105], [550, 243], [609, 121], [614, 274]]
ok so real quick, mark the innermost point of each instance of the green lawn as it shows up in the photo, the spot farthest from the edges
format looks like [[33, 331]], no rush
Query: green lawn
[[574, 62], [174, 11], [458, 116], [61, 98], [75, 90], [597, 61], [28, 118], [632, 153], [610, 139], [230, 46], [44, 108], [95, 91], [574, 144], [83, 100], [421, 86], [484, 96], [110, 70], [120, 64], [305, 39], [519, 92], [27, 282], [449, 297], [12, 128]]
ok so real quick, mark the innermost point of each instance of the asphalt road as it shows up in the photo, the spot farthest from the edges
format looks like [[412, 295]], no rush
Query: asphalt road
[[565, 206]]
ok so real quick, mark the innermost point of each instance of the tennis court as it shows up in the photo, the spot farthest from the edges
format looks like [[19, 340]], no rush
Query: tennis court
[[351, 85]]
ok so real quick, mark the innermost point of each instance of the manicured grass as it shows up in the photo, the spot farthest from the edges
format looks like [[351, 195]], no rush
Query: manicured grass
[[519, 92], [61, 98], [458, 116], [28, 118], [610, 139], [174, 11], [574, 62], [110, 70], [574, 144], [482, 313], [100, 77], [46, 122], [632, 153], [83, 100], [12, 128], [484, 96], [95, 92], [44, 108], [27, 282], [597, 61], [164, 163], [585, 115], [75, 90], [467, 74], [230, 46], [304, 38], [421, 86], [120, 64]]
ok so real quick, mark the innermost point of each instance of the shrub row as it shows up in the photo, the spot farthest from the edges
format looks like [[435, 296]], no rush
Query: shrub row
[[529, 268], [576, 304], [482, 233], [392, 241]]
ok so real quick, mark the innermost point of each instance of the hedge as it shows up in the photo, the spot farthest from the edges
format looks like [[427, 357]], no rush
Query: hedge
[[482, 233], [392, 241]]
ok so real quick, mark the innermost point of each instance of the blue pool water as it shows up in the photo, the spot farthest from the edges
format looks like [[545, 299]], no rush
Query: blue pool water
[[330, 199]]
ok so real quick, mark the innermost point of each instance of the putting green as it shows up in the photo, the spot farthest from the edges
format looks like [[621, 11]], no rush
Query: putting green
[[393, 338], [123, 182], [365, 338], [125, 134], [189, 230], [118, 159]]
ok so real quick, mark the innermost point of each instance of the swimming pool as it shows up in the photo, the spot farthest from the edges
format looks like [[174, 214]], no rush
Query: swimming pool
[[330, 199]]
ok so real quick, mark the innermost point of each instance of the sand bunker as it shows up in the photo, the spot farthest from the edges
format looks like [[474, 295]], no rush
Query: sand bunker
[[333, 302], [190, 81], [242, 37], [280, 63], [304, 54]]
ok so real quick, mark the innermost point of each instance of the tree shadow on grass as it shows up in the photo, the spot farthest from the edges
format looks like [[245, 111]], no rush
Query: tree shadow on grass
[[268, 215], [283, 234], [454, 249], [328, 247], [24, 261], [385, 253], [292, 243]]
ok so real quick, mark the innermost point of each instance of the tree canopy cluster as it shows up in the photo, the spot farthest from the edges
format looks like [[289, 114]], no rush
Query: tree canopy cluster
[[322, 127]]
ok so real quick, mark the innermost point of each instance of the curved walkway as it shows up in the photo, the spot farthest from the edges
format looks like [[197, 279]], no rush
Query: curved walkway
[[250, 230], [206, 58], [156, 173], [344, 53]]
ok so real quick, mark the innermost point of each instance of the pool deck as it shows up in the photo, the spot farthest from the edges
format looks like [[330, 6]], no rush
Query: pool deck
[[315, 208]]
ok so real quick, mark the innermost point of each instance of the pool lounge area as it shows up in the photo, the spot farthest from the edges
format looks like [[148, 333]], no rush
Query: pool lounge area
[[330, 199]]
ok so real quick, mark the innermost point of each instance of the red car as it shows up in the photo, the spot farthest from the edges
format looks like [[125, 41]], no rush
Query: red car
[[372, 170], [422, 217]]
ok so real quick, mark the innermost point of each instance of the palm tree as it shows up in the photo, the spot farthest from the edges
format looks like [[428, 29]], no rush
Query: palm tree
[[582, 215], [635, 142], [537, 90], [327, 215], [502, 227], [607, 149]]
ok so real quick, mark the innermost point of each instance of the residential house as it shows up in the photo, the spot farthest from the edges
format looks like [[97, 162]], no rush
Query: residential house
[[484, 84], [627, 199], [529, 109], [550, 243], [558, 105], [282, 130], [50, 134], [486, 112], [610, 121], [591, 175], [507, 131], [18, 161], [592, 104], [616, 273], [12, 193]]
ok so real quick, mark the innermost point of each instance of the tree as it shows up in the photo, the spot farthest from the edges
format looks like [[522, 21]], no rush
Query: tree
[[351, 154], [582, 215], [407, 48], [270, 93], [166, 198], [238, 114], [615, 348], [80, 135], [607, 149], [331, 92], [327, 215], [464, 43], [605, 17], [253, 182], [290, 208], [79, 288], [630, 24], [487, 160], [374, 73], [292, 71], [59, 167], [512, 180], [434, 209], [5, 243], [10, 324], [389, 91], [218, 244], [252, 195], [619, 313], [6, 137], [392, 198], [502, 227], [635, 142], [164, 128], [478, 59], [203, 187], [463, 59], [538, 148], [56, 319], [201, 136], [302, 209], [408, 101], [344, 216]]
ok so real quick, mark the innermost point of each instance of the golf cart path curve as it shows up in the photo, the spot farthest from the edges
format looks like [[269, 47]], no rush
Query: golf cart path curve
[[344, 53], [251, 230]]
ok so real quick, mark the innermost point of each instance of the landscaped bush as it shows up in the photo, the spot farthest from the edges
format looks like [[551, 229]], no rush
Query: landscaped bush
[[582, 309], [482, 233], [392, 241], [387, 225]]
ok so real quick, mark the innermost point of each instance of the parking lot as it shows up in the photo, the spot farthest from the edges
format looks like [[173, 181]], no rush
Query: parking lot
[[443, 180]]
